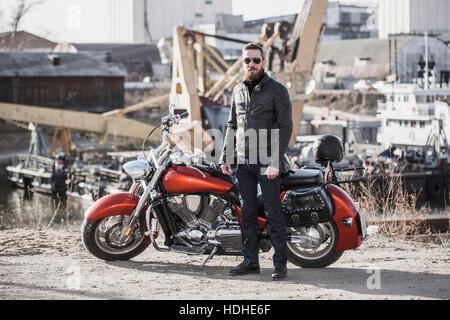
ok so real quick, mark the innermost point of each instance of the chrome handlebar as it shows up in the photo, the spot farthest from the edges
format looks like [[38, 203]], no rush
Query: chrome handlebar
[[169, 120], [158, 155]]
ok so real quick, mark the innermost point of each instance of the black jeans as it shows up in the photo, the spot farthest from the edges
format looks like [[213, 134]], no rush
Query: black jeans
[[249, 175]]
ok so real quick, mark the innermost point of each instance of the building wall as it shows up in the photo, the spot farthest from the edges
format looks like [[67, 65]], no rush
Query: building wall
[[431, 15], [94, 94], [413, 16], [393, 17], [121, 21], [332, 14]]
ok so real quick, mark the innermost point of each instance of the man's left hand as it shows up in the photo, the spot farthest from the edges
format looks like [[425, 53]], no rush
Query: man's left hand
[[272, 172]]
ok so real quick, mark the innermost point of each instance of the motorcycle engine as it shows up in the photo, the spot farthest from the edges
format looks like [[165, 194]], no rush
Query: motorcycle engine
[[199, 214]]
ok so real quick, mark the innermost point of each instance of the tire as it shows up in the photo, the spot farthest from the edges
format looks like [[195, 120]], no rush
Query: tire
[[92, 233], [313, 258]]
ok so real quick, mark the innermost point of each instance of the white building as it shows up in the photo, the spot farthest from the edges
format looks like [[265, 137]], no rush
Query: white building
[[413, 16], [113, 21], [344, 21], [163, 15]]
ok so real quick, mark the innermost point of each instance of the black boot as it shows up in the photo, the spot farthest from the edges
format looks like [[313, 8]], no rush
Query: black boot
[[245, 268], [280, 273]]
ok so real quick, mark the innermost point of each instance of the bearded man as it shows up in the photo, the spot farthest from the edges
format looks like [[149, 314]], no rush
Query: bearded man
[[261, 120]]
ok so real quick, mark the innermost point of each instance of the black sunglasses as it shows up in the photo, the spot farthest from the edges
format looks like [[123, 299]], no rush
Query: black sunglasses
[[255, 60]]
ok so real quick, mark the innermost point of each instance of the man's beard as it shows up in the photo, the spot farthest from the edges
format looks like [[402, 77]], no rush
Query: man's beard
[[251, 75]]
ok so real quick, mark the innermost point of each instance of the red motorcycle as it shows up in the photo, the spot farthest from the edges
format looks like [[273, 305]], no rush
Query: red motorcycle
[[198, 209]]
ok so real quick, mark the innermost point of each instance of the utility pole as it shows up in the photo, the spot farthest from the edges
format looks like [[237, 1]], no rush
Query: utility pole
[[146, 27], [426, 61]]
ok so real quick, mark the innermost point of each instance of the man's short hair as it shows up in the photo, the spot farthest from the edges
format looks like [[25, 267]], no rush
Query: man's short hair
[[254, 46]]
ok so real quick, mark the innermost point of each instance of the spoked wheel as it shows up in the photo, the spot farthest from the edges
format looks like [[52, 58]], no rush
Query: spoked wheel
[[102, 238], [318, 253]]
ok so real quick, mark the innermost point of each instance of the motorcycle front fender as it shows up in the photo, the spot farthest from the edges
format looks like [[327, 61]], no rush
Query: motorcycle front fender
[[116, 204], [346, 218], [121, 203]]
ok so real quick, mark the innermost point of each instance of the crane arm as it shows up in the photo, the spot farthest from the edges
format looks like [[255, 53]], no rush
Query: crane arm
[[116, 126]]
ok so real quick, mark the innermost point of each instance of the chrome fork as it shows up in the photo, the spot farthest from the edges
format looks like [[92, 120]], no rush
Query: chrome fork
[[149, 193]]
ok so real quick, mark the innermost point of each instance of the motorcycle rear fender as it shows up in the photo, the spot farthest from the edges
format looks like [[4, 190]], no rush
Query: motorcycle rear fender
[[347, 219]]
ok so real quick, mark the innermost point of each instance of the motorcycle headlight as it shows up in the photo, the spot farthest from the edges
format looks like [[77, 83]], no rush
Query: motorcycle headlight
[[138, 170]]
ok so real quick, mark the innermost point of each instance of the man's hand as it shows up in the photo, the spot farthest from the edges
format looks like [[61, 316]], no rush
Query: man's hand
[[226, 169], [272, 172]]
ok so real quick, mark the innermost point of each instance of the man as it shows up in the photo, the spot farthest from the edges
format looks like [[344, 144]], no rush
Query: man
[[259, 104]]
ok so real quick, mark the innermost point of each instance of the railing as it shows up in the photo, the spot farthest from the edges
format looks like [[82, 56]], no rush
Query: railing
[[31, 161], [425, 111]]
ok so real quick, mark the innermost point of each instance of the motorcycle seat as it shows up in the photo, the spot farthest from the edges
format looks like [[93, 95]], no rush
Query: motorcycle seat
[[301, 178]]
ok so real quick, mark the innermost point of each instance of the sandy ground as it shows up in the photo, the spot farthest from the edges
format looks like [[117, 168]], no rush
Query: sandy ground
[[53, 264]]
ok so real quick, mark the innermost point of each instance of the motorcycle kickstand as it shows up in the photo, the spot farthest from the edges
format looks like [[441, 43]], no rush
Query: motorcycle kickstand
[[213, 252]]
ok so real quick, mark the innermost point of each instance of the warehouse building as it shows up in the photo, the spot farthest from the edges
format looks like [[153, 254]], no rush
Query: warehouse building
[[77, 81]]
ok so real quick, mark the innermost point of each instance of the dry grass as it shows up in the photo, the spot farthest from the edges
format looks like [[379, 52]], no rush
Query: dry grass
[[386, 204]]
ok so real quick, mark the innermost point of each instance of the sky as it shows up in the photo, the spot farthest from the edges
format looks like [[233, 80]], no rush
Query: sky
[[257, 9], [58, 11], [56, 23]]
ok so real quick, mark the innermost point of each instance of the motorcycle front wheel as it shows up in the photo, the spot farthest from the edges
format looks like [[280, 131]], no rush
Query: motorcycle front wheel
[[319, 255], [102, 238]]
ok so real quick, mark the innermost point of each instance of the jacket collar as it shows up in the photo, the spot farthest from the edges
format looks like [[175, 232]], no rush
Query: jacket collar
[[258, 87]]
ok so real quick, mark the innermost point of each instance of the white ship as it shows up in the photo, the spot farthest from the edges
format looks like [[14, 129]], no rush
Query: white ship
[[416, 120]]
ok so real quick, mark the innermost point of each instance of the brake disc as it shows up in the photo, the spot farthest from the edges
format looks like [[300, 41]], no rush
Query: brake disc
[[112, 236]]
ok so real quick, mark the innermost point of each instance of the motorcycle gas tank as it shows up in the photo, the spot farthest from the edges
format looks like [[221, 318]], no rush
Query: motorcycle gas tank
[[181, 179]]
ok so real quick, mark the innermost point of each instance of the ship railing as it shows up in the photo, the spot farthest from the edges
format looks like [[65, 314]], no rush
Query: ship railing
[[31, 161], [425, 110]]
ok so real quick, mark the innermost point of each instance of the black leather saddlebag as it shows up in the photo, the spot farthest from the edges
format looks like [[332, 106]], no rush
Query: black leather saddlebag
[[307, 206]]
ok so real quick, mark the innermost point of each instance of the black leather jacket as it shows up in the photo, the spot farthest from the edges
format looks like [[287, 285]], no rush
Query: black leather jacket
[[268, 107]]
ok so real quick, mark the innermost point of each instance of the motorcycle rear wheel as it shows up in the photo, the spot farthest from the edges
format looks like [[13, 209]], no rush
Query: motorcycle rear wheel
[[100, 238], [321, 256]]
